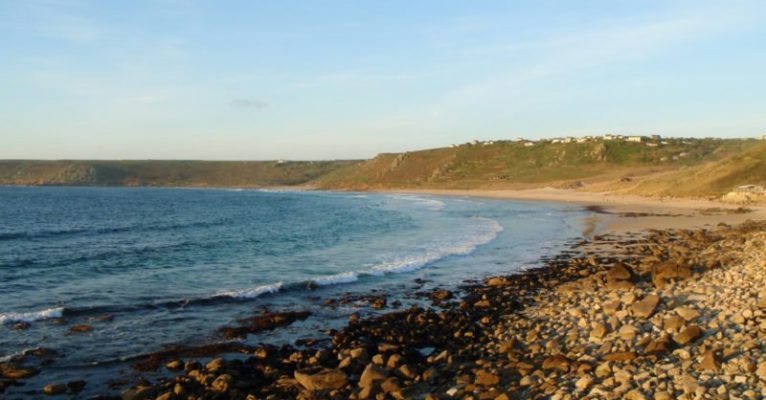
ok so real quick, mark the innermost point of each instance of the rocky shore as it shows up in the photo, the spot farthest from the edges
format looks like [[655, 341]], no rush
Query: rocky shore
[[658, 315]]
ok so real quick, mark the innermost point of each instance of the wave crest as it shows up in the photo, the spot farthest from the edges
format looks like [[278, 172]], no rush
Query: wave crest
[[343, 277], [31, 316], [251, 293]]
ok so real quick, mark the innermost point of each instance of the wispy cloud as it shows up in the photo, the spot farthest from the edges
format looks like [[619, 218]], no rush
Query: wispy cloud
[[568, 52], [249, 103]]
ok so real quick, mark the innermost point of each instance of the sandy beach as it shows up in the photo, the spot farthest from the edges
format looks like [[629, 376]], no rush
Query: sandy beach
[[627, 212]]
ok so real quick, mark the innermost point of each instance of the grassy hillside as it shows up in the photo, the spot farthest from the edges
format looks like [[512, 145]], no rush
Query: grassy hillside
[[674, 167], [514, 165], [165, 173]]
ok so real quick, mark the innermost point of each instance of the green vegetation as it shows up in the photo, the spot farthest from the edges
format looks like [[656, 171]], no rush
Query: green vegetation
[[516, 165], [166, 173], [671, 167]]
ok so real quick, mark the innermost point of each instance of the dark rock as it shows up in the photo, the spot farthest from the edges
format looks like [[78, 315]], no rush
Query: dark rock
[[264, 322], [104, 318], [76, 386], [20, 326], [391, 385], [379, 302], [222, 383], [52, 389], [11, 371], [4, 384], [175, 365], [81, 328], [441, 295], [140, 393]]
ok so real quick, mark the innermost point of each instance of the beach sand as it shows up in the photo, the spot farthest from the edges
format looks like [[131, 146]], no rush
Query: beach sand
[[627, 213]]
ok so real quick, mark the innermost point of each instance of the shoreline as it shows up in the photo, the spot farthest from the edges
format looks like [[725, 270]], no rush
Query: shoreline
[[624, 213], [478, 314], [618, 319]]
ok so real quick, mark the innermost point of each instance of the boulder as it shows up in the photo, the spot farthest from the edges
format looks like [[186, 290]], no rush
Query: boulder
[[485, 378], [175, 365], [53, 389], [11, 371], [598, 330], [322, 380], [222, 383], [666, 272], [709, 362], [584, 383], [658, 346], [628, 332], [81, 328], [646, 307], [497, 281], [687, 335], [673, 323], [371, 374], [687, 313], [557, 362], [618, 272]]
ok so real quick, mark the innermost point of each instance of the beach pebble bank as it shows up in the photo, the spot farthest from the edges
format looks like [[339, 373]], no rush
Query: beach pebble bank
[[670, 314]]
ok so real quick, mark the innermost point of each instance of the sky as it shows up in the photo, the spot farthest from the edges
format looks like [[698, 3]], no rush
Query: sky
[[323, 79]]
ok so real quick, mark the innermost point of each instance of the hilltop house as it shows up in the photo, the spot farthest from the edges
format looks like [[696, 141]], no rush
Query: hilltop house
[[637, 139]]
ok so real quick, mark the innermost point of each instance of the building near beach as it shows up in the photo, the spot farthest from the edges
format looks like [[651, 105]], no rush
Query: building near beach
[[746, 194], [754, 189]]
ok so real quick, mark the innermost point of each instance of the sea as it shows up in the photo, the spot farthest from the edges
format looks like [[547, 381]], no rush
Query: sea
[[172, 265]]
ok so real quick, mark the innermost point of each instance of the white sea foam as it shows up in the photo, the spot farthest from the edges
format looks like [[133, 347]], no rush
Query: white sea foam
[[488, 231], [431, 204], [344, 277], [251, 293], [9, 357], [31, 316]]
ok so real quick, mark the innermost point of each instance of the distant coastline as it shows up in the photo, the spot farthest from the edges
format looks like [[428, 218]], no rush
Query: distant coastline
[[677, 168]]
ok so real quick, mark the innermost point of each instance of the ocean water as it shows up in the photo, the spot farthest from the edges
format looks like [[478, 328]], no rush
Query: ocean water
[[173, 265]]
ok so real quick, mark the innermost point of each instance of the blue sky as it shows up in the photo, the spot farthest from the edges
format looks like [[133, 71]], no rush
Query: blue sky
[[183, 79]]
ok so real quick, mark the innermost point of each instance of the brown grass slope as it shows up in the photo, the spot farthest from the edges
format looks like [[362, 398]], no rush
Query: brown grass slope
[[582, 165], [710, 179]]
